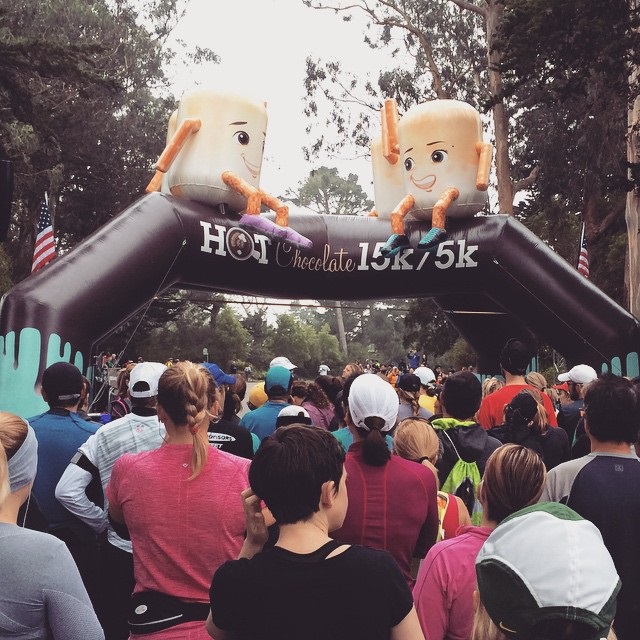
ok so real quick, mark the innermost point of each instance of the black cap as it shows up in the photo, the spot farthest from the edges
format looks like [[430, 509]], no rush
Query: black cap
[[522, 408], [62, 381], [409, 382]]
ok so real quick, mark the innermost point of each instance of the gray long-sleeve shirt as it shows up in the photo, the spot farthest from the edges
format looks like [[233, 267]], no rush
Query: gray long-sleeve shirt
[[41, 589]]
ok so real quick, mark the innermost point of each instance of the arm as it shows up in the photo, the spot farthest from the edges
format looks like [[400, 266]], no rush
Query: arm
[[71, 493], [218, 634], [70, 614], [429, 532], [430, 596], [408, 629]]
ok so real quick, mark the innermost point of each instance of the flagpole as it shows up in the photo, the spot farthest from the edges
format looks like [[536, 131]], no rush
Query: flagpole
[[580, 245]]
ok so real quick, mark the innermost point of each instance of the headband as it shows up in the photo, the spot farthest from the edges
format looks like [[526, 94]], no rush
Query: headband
[[23, 463]]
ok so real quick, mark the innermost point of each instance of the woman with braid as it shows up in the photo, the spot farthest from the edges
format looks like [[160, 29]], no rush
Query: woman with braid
[[181, 506]]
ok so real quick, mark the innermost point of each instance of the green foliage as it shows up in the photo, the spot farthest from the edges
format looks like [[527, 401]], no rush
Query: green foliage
[[568, 63], [81, 111], [427, 328], [459, 355], [229, 340], [326, 192], [5, 272]]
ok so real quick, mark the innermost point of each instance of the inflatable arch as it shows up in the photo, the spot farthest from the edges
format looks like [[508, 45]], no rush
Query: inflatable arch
[[492, 277]]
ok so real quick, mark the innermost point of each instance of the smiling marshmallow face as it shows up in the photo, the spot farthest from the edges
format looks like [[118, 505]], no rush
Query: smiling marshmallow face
[[231, 138], [438, 150]]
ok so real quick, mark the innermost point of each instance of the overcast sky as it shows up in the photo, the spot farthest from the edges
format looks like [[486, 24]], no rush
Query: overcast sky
[[263, 46]]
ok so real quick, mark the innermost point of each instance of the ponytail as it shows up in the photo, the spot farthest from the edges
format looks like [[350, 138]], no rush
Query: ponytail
[[375, 451]]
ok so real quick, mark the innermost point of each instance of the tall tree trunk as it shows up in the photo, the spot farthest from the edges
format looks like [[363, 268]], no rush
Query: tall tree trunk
[[342, 336], [500, 118], [632, 212]]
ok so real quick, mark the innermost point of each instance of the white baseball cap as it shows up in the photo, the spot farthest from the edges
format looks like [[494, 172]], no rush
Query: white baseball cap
[[426, 375], [293, 414], [149, 373], [372, 396], [580, 374], [282, 361]]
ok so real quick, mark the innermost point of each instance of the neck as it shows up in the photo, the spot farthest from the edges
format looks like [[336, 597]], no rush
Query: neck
[[623, 448], [11, 506], [486, 522], [512, 378], [181, 434], [304, 537]]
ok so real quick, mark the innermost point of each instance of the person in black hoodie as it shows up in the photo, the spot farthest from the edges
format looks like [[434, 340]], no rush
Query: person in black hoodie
[[457, 429], [525, 423]]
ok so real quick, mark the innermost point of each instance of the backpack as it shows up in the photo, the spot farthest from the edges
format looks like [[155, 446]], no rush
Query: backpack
[[463, 481]]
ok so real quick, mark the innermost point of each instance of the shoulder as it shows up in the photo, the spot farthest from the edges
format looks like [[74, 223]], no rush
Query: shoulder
[[129, 460], [84, 425], [228, 460], [35, 420]]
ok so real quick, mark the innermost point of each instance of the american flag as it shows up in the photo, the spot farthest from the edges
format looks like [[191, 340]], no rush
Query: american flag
[[583, 258], [44, 250]]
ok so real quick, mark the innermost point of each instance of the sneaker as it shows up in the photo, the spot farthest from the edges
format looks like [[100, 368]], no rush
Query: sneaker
[[395, 244], [431, 239]]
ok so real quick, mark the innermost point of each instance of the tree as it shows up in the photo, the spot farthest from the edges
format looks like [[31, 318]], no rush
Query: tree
[[83, 110], [555, 76], [451, 45], [230, 341], [327, 193], [289, 339], [428, 329], [569, 64]]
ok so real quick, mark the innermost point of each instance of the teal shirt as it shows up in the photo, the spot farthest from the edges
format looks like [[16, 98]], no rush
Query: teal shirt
[[345, 438]]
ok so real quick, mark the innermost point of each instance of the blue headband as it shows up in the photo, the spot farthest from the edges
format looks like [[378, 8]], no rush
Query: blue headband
[[24, 462]]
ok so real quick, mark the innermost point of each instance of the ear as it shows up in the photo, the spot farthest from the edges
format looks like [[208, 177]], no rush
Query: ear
[[328, 494], [480, 491], [476, 599]]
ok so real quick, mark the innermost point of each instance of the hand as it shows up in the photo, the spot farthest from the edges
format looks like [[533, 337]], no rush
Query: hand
[[257, 533]]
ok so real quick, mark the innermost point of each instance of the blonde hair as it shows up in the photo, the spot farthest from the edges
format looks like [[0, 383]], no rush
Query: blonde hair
[[489, 385], [514, 477], [352, 367], [184, 394], [538, 381], [485, 629], [483, 626], [13, 432], [415, 439], [540, 421]]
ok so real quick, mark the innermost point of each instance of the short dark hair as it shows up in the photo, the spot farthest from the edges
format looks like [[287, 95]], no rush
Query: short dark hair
[[461, 394], [290, 467], [611, 409], [515, 356]]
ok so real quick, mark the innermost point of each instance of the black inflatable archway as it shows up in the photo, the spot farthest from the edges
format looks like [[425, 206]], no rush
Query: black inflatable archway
[[492, 277]]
